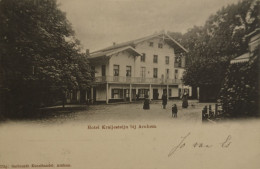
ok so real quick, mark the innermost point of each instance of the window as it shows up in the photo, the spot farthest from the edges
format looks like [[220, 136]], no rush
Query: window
[[155, 72], [142, 92], [126, 91], [128, 71], [143, 72], [167, 60], [117, 93], [160, 45], [167, 73], [155, 58], [176, 74], [143, 57], [151, 44], [177, 62], [116, 70]]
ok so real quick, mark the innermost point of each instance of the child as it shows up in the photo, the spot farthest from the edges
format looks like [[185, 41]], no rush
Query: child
[[174, 110]]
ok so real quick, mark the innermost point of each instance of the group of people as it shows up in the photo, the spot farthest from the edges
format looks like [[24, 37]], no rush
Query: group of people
[[164, 103]]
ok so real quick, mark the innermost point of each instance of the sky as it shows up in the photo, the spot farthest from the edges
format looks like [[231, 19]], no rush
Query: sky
[[99, 23]]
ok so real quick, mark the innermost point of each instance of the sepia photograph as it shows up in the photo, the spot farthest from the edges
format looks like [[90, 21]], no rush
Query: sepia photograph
[[129, 84]]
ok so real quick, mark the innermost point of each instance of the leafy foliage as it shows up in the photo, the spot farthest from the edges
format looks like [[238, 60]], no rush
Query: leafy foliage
[[221, 39], [40, 56], [205, 72], [240, 93]]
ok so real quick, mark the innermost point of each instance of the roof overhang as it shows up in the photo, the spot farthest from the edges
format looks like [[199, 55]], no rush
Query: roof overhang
[[104, 56], [168, 39], [240, 59], [128, 49], [178, 47]]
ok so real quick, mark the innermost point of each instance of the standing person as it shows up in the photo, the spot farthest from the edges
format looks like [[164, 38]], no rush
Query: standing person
[[164, 100], [146, 102], [174, 110], [185, 100]]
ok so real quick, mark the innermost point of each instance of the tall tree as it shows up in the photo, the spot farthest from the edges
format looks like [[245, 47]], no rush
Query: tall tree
[[40, 56], [213, 45]]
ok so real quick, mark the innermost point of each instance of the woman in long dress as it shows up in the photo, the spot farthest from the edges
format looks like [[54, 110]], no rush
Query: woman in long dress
[[185, 100], [164, 100]]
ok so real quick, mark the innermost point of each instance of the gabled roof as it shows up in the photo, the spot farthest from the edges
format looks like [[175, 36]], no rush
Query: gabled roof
[[243, 58], [168, 39], [108, 53]]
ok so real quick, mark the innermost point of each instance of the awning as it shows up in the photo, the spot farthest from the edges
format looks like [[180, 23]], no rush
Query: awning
[[240, 59]]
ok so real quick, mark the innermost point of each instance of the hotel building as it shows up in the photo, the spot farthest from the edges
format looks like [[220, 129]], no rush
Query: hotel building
[[129, 71]]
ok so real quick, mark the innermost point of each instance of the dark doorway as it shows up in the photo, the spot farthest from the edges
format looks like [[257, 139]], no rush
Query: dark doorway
[[126, 95], [208, 93], [194, 93], [133, 94], [155, 94], [83, 95], [165, 91]]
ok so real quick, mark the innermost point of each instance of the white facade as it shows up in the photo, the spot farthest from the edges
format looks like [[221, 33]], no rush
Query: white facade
[[143, 67]]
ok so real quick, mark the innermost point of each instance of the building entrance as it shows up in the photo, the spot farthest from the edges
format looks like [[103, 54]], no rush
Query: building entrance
[[155, 94]]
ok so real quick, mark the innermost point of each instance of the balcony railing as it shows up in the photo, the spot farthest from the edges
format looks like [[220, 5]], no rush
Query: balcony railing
[[121, 79]]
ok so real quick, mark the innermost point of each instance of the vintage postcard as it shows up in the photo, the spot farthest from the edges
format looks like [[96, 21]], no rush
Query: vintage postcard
[[129, 84]]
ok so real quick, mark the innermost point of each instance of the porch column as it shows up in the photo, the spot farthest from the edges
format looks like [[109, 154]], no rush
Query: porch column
[[150, 92], [167, 88], [123, 94], [92, 95], [107, 93], [130, 93]]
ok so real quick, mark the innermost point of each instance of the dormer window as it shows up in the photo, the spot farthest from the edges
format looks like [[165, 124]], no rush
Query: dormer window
[[151, 44], [160, 45]]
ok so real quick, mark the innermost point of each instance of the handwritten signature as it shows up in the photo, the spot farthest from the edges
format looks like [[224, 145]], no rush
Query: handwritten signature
[[225, 144]]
